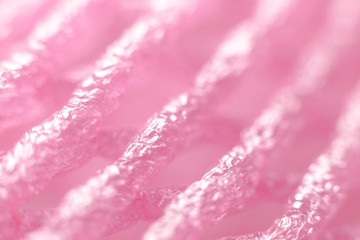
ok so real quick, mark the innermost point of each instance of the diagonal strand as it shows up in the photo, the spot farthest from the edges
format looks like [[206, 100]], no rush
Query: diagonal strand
[[164, 135], [234, 180], [56, 42]]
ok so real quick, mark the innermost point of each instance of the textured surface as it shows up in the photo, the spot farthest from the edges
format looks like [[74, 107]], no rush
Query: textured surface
[[22, 72], [324, 185], [65, 139], [146, 206], [233, 181], [259, 85], [94, 94], [155, 147]]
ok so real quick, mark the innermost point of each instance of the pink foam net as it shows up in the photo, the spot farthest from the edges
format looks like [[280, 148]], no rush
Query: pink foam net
[[179, 119]]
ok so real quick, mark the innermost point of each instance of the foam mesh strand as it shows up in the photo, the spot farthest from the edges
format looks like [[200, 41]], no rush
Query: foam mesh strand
[[167, 119]]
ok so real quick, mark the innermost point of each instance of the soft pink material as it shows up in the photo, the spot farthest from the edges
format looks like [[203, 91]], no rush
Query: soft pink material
[[58, 41], [247, 82], [148, 205], [233, 181]]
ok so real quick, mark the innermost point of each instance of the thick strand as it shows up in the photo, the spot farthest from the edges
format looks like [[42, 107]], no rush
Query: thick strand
[[111, 143], [325, 184], [65, 140], [231, 183], [234, 180], [148, 205], [154, 148], [57, 41], [165, 134]]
